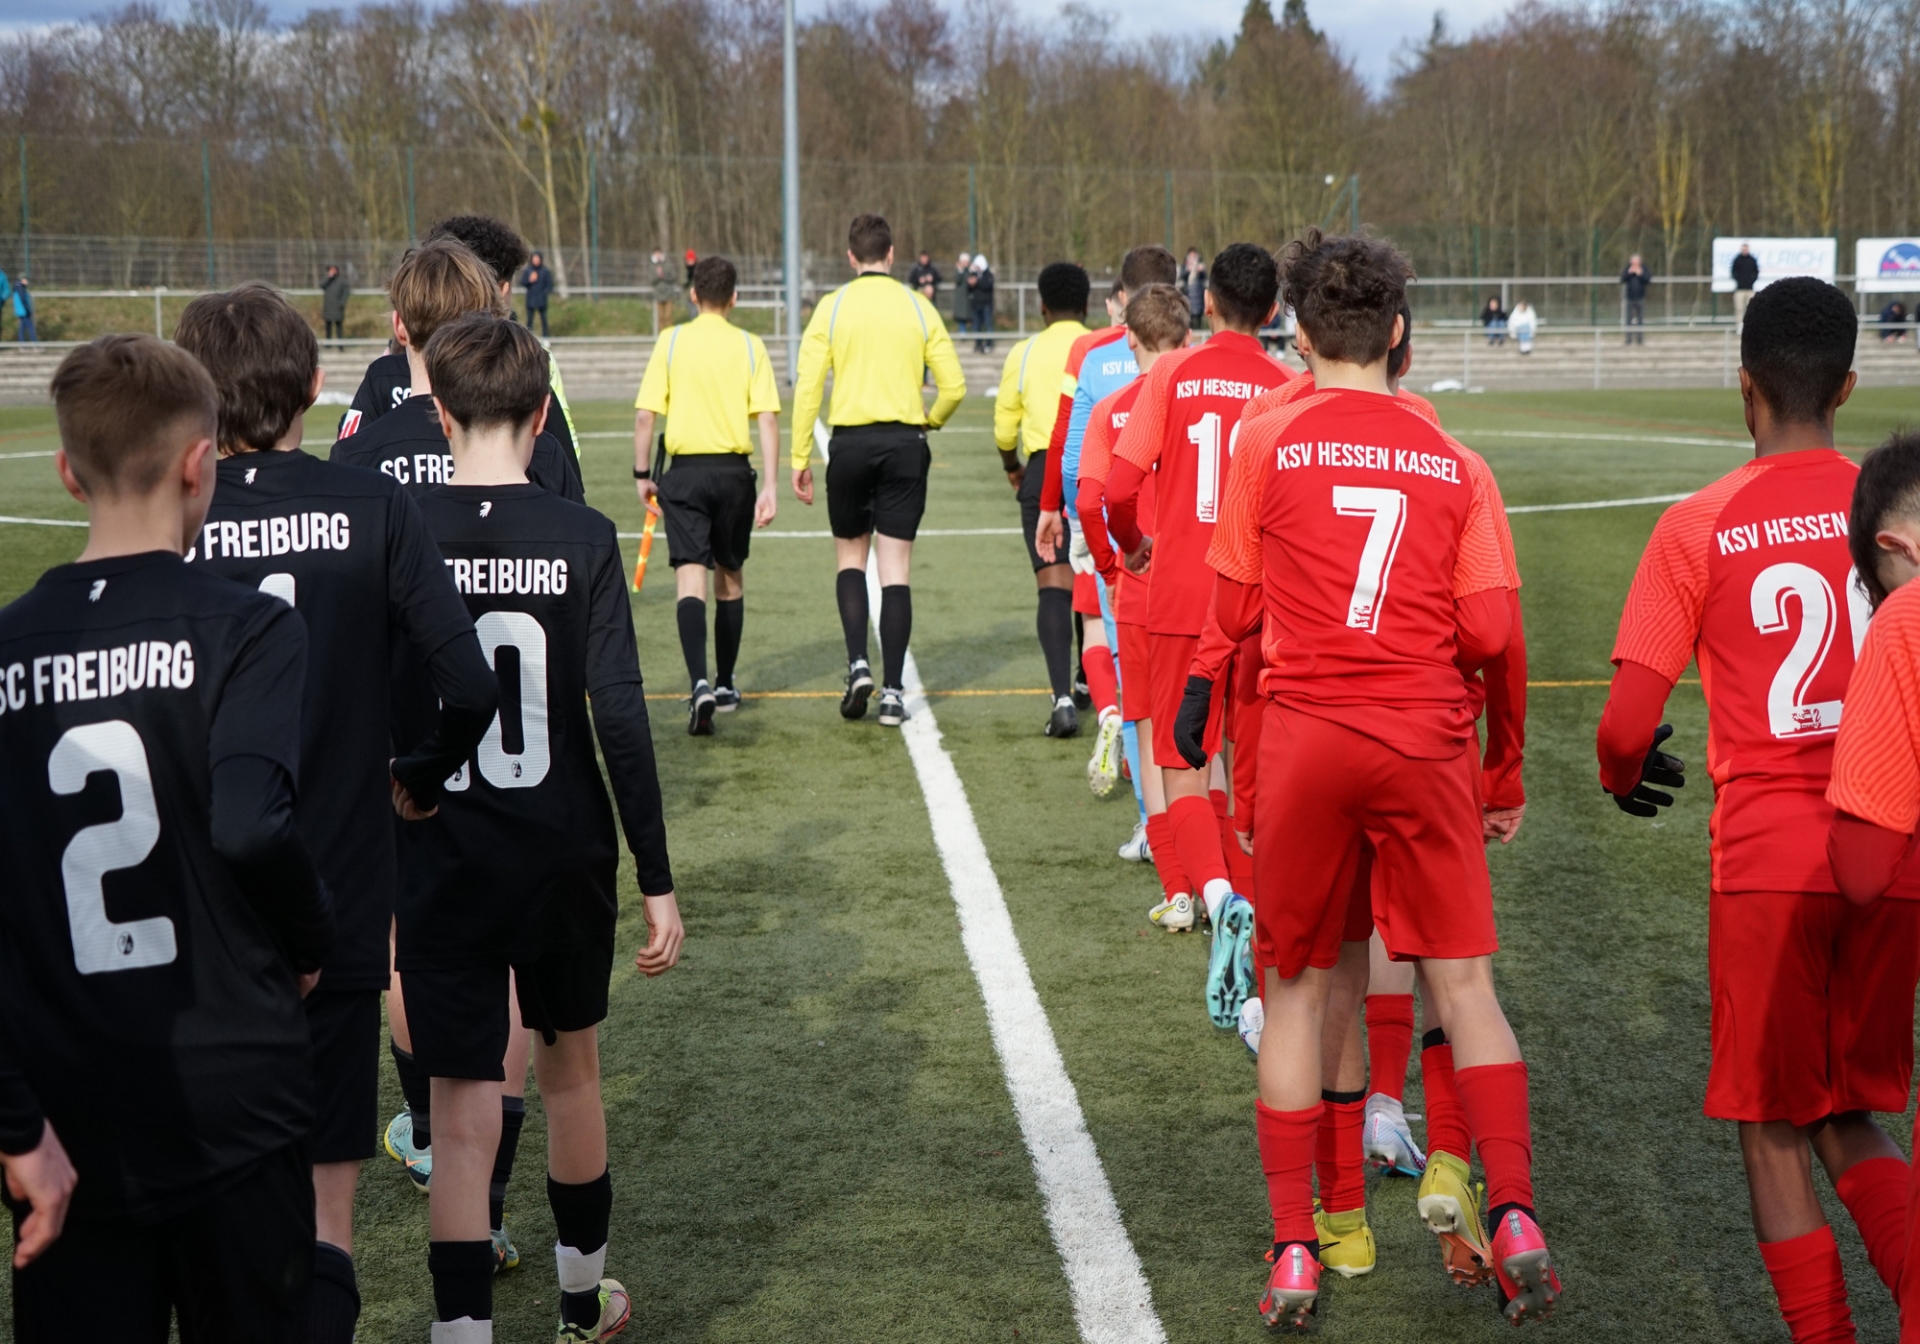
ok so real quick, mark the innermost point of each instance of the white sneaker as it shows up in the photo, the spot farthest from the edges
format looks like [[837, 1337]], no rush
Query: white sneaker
[[1175, 914], [1137, 850], [1386, 1140], [1253, 1021], [1103, 769]]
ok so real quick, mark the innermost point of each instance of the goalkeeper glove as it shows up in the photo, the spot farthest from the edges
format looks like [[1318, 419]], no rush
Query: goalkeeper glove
[[1660, 768], [1190, 727]]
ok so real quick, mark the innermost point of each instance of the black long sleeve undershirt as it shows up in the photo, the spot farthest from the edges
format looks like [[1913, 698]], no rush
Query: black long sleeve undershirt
[[254, 831], [469, 696], [21, 1121], [626, 743]]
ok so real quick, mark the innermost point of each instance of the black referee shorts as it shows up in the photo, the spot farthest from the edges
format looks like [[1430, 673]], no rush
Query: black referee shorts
[[1030, 483], [708, 500], [345, 1027], [238, 1266], [877, 480], [458, 1013]]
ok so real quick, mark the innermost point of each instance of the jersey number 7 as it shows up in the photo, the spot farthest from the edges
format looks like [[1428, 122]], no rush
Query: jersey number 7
[[1388, 509]]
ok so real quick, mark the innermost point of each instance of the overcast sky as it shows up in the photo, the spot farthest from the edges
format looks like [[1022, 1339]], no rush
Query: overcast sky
[[1368, 31]]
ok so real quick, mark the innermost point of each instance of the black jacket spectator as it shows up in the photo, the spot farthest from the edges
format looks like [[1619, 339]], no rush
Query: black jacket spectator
[[538, 282], [1636, 284], [1746, 270], [333, 296], [923, 271]]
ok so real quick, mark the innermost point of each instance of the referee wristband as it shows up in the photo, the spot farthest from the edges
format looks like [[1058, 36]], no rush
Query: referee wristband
[[641, 473]]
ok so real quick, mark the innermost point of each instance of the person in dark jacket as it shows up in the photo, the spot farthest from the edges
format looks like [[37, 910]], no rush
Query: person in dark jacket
[[537, 280], [334, 291], [28, 334], [1746, 274], [1634, 282], [1494, 318], [924, 276], [1893, 320], [980, 285], [962, 292], [1193, 283]]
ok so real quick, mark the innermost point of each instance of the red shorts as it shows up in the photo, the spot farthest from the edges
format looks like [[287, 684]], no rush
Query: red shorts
[[1356, 877], [1136, 685], [1086, 597], [1171, 657], [1246, 707], [1325, 793], [1812, 1005]]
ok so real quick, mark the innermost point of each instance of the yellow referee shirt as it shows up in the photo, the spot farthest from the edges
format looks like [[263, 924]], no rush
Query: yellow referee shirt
[[878, 338], [1030, 382], [709, 378]]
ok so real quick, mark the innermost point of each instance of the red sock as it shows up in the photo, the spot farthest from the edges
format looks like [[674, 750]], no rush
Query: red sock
[[1102, 685], [1166, 856], [1286, 1155], [1218, 797], [1875, 1193], [1811, 1286], [1196, 834], [1907, 1296], [1446, 1121], [1338, 1159], [1494, 1097], [1239, 862], [1389, 1042]]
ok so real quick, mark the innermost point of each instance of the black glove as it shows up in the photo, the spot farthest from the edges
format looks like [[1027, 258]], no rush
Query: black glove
[[1660, 768], [1190, 727]]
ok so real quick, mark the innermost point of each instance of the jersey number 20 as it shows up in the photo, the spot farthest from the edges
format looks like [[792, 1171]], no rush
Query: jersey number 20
[[99, 944], [1788, 713]]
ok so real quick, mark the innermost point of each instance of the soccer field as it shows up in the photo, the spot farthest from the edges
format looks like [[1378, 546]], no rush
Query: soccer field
[[812, 1136]]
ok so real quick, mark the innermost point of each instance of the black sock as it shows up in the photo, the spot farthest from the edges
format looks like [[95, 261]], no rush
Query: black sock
[[513, 1114], [896, 628], [851, 589], [580, 1217], [1054, 621], [1432, 1037], [462, 1279], [418, 1090], [692, 613], [729, 615], [1342, 1098], [1079, 643], [334, 1308]]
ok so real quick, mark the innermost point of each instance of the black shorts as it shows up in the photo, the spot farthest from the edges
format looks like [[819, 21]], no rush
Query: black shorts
[[457, 1013], [1030, 483], [236, 1268], [877, 480], [345, 1027], [708, 508]]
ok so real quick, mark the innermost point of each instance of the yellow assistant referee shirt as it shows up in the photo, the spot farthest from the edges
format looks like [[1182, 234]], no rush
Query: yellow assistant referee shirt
[[878, 338], [709, 378], [1029, 397]]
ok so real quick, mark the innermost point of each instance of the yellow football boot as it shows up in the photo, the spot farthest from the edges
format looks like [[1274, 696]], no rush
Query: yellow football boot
[[1346, 1242], [1450, 1207]]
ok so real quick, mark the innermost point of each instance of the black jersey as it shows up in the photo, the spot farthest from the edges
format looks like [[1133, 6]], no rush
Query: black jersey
[[528, 814], [388, 381], [410, 446], [347, 548], [143, 998]]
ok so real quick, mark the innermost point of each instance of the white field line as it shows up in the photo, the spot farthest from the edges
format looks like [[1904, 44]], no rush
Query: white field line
[[628, 434], [1112, 1302], [925, 532], [1595, 504], [15, 457], [45, 522], [1603, 438]]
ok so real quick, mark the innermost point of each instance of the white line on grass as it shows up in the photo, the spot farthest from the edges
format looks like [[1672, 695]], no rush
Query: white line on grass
[[1603, 438], [1595, 504], [925, 532], [1112, 1301], [45, 522], [15, 457]]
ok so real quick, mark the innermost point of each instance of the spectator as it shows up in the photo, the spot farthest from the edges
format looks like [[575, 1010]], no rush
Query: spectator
[[686, 290], [665, 291], [1893, 318], [1193, 283], [1494, 318], [334, 291], [924, 276], [1746, 273], [537, 280], [962, 292], [6, 293], [1633, 283], [980, 281], [1521, 323], [28, 334]]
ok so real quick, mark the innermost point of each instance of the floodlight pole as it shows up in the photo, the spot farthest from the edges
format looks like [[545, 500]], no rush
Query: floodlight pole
[[790, 191]]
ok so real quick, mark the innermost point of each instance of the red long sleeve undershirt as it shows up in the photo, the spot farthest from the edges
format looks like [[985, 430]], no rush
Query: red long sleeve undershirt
[[1092, 527], [1506, 682], [1052, 487], [1635, 702], [1123, 504]]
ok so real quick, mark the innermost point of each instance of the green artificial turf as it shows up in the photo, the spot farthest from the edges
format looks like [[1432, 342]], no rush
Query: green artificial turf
[[811, 1139]]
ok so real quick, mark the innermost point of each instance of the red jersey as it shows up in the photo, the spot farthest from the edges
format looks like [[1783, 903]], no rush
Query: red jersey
[[1109, 418], [1184, 430], [1052, 485], [1876, 755], [1363, 523], [1752, 578]]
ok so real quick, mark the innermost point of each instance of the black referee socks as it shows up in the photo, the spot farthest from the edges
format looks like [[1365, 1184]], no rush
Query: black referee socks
[[850, 589], [692, 614], [1054, 623], [896, 628], [462, 1279], [729, 617], [581, 1214], [334, 1309]]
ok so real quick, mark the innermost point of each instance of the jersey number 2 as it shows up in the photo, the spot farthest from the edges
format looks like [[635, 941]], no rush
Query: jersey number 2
[[1388, 509], [99, 944], [528, 766], [1788, 714]]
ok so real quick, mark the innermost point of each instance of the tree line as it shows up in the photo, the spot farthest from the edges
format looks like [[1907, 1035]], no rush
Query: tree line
[[1549, 142]]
